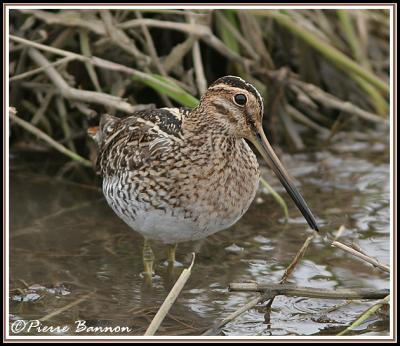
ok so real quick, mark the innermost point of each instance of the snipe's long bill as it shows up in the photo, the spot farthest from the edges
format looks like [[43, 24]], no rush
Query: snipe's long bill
[[179, 174]]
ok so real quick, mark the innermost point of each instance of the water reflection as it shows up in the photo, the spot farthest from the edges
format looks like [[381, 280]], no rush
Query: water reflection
[[64, 238]]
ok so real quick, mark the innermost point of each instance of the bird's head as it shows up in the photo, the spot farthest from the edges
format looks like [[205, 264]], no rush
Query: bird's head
[[237, 108]]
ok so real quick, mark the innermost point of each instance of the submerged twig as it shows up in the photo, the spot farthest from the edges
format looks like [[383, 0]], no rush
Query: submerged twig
[[355, 252], [215, 329], [310, 292], [65, 308], [169, 301]]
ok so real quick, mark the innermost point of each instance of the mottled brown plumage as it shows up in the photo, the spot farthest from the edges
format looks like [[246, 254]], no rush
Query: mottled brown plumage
[[176, 174]]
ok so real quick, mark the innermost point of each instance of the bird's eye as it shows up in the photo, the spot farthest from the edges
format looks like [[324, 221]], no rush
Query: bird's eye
[[240, 99]]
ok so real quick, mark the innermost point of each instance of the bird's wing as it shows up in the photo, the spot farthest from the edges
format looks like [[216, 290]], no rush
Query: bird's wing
[[127, 143]]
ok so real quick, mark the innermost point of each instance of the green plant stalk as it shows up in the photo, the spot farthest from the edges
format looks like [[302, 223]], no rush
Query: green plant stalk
[[276, 197], [379, 103], [166, 86], [330, 52], [365, 315], [351, 38]]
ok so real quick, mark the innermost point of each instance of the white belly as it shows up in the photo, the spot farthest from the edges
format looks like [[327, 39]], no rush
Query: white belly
[[171, 227], [167, 225]]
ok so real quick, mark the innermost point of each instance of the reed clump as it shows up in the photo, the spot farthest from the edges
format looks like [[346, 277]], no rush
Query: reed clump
[[319, 71]]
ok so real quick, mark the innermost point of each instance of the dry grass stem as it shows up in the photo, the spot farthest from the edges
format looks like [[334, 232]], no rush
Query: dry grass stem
[[169, 301]]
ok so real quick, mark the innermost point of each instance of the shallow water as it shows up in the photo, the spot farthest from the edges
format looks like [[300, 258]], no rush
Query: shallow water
[[68, 250]]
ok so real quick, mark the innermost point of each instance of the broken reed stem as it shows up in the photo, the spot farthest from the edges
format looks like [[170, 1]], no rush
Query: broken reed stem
[[360, 255], [365, 315], [309, 292], [355, 252], [169, 301], [40, 134]]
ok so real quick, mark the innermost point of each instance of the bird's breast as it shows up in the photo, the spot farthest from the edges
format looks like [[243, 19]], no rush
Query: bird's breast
[[224, 188]]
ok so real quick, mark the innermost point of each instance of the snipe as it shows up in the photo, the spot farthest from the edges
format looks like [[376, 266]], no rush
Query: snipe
[[178, 174]]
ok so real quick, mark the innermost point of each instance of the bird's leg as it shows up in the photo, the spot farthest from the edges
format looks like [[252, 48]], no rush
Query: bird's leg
[[148, 258], [171, 253]]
